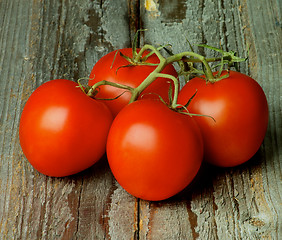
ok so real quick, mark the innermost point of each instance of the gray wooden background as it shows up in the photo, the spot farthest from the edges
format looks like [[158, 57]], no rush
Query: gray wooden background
[[42, 40]]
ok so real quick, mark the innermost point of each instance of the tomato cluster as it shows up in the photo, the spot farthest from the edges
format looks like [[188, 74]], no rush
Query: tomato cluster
[[154, 147]]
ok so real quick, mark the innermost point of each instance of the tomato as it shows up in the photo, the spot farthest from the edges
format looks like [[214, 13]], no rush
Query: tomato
[[153, 151], [110, 68], [239, 108], [62, 131]]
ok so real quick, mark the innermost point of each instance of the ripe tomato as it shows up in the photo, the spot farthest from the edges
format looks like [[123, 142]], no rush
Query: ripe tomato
[[109, 68], [62, 131], [153, 151], [239, 107]]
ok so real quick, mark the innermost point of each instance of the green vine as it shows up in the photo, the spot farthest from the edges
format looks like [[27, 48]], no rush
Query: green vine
[[184, 59]]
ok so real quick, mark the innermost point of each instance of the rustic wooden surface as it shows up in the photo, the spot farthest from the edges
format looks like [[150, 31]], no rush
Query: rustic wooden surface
[[47, 39]]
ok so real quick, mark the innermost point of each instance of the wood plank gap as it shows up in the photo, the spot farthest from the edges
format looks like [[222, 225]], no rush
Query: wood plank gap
[[78, 209], [134, 25], [137, 232], [134, 19], [223, 27], [203, 38]]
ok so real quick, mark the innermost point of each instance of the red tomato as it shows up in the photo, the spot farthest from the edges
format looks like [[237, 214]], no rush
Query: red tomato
[[153, 151], [108, 68], [239, 107], [62, 131]]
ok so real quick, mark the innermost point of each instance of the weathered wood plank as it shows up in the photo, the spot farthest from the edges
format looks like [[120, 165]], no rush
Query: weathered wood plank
[[242, 202]]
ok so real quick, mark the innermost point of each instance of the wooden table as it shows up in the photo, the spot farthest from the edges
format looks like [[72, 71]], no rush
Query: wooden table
[[42, 40]]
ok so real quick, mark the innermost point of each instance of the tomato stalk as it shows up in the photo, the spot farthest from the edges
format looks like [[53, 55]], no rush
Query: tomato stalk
[[154, 75], [92, 90], [180, 56], [163, 63], [189, 56]]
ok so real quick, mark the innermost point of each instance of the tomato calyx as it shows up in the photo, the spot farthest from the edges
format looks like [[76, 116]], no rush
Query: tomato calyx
[[229, 58], [136, 59], [183, 109], [136, 62], [217, 76]]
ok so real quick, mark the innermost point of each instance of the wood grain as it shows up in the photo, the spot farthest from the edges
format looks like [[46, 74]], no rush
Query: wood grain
[[48, 39]]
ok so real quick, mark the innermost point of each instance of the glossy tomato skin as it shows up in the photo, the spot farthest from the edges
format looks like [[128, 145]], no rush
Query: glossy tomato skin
[[239, 107], [109, 68], [154, 152], [62, 131]]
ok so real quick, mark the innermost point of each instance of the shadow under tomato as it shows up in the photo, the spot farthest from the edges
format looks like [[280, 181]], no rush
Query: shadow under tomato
[[201, 183], [208, 176], [97, 170], [204, 182]]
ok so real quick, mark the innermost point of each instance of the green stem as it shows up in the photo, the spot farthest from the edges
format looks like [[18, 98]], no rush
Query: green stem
[[180, 56], [138, 90], [176, 87], [148, 47], [215, 59], [152, 76], [157, 73], [163, 62], [104, 82]]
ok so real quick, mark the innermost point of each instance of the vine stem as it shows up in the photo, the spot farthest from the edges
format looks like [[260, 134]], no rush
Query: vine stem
[[152, 76], [180, 56], [176, 88], [135, 92], [215, 59], [104, 82], [149, 47], [163, 63]]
